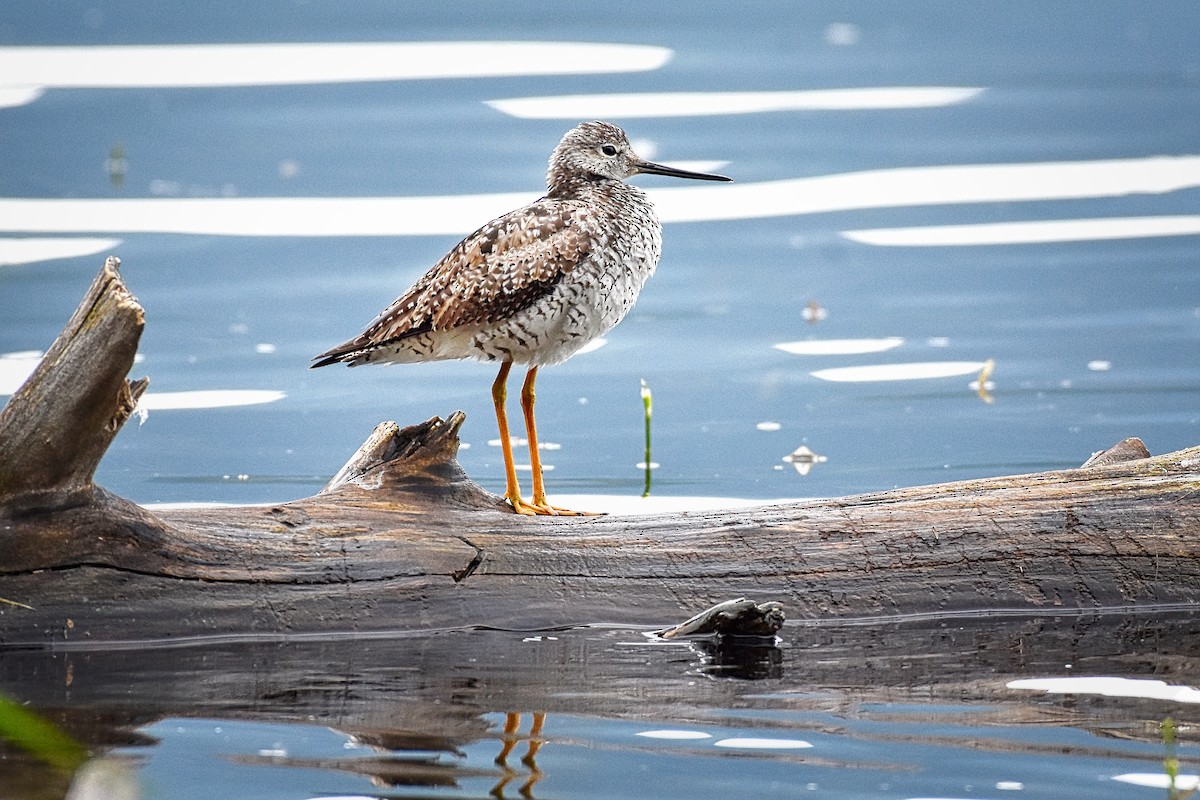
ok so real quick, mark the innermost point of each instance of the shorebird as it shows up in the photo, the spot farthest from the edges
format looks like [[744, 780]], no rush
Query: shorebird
[[533, 286]]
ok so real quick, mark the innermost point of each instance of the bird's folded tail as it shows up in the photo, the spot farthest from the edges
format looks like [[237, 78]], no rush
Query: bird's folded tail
[[345, 353]]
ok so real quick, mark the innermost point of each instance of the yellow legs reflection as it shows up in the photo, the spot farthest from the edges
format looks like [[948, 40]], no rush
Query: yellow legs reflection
[[510, 738]]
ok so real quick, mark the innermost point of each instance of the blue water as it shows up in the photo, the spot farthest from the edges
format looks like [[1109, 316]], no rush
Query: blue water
[[1093, 340], [853, 757]]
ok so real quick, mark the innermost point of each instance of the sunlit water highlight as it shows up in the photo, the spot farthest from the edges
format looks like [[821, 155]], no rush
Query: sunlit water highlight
[[899, 372], [25, 70], [208, 398], [675, 734], [695, 104], [1035, 232], [907, 187], [11, 96], [839, 347], [460, 214], [29, 250], [1159, 780], [15, 369], [758, 743]]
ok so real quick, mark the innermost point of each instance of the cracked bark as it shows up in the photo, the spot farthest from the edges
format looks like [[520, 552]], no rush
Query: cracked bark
[[401, 538]]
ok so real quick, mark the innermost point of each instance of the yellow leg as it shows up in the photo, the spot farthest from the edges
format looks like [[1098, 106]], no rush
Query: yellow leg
[[535, 456], [511, 490]]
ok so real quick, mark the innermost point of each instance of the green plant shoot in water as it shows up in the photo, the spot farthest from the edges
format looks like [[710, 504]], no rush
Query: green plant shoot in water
[[648, 405], [39, 737]]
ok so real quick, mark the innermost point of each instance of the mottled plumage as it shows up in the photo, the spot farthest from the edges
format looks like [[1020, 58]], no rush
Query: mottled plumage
[[535, 285]]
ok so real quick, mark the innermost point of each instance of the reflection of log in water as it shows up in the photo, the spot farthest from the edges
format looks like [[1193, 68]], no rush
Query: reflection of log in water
[[402, 539], [420, 695]]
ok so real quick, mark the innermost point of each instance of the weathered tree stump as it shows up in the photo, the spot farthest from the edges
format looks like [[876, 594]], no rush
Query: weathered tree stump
[[57, 427], [402, 539]]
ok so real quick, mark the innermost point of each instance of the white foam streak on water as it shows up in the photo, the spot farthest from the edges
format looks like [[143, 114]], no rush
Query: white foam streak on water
[[29, 250], [749, 743], [1159, 780], [262, 216], [1037, 232], [695, 104], [209, 398], [674, 734], [839, 347], [12, 96], [15, 368], [268, 64], [921, 186], [1111, 687], [460, 214], [899, 372]]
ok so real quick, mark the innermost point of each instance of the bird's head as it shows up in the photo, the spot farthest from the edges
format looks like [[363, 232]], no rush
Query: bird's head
[[601, 150]]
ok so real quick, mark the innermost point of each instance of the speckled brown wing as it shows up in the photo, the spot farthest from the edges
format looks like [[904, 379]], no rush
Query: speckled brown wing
[[497, 271]]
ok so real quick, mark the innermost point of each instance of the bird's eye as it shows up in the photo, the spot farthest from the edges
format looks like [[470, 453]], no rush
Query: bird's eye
[[608, 150]]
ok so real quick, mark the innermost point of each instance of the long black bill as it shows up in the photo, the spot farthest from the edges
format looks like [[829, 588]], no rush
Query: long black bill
[[650, 168]]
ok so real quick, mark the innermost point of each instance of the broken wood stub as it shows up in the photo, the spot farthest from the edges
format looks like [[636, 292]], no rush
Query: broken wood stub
[[420, 462], [58, 425], [1131, 449], [740, 617]]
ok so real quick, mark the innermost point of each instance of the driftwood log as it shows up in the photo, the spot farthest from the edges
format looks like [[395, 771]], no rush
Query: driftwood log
[[401, 539]]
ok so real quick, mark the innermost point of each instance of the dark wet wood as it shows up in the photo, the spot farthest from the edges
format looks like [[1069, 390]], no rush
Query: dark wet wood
[[401, 539]]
